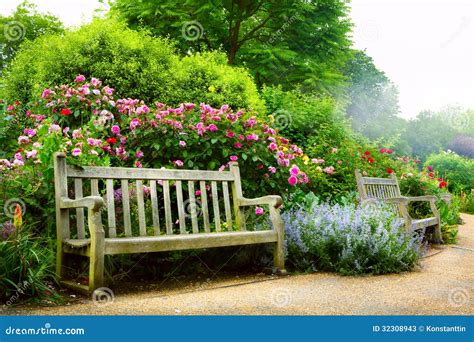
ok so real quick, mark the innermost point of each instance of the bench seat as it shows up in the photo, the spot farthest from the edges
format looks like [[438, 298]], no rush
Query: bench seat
[[140, 244]]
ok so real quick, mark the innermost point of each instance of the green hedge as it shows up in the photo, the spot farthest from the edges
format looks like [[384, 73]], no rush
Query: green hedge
[[139, 66]]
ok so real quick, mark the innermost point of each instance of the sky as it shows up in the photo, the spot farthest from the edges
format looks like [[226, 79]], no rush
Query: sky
[[424, 46]]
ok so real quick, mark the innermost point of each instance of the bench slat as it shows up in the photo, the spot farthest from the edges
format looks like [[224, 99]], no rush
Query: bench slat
[[79, 211], [192, 207], [215, 205], [166, 195], [95, 187], [154, 208], [147, 174], [126, 208], [111, 208], [205, 210], [141, 208], [181, 214], [228, 212]]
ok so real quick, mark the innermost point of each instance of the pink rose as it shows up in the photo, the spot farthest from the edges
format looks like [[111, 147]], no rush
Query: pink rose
[[80, 78], [292, 180], [294, 170], [259, 211], [76, 152], [115, 129], [234, 158]]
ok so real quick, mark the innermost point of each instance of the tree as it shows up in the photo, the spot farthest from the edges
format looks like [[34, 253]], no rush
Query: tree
[[25, 23], [373, 97], [280, 41]]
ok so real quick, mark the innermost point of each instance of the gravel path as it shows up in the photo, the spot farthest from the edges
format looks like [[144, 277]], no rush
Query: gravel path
[[444, 285]]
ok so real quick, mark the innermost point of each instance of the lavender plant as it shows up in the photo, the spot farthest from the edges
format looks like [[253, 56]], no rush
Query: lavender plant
[[349, 239]]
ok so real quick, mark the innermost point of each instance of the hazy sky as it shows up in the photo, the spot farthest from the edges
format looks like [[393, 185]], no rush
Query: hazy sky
[[424, 46]]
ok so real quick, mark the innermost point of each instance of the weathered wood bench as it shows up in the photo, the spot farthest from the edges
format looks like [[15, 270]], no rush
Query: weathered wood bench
[[373, 189], [165, 199]]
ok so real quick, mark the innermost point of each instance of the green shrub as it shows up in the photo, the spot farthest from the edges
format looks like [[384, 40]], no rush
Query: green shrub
[[457, 170], [25, 265], [306, 119], [138, 65]]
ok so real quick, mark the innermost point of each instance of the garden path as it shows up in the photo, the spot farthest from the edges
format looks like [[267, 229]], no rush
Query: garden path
[[443, 285]]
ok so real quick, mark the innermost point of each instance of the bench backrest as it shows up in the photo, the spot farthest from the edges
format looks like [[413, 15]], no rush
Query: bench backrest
[[146, 202], [377, 188]]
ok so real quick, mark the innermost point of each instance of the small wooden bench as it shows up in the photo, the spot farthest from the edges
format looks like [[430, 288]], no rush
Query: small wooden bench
[[166, 200], [373, 189]]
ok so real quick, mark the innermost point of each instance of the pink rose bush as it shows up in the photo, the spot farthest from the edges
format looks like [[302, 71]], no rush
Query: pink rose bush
[[86, 121]]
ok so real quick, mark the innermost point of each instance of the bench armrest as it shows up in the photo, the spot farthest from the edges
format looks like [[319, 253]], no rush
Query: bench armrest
[[90, 202], [272, 200], [427, 198]]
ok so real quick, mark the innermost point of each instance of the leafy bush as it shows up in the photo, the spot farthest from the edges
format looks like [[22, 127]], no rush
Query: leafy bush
[[349, 240], [306, 119], [466, 202], [138, 65], [25, 265], [456, 169]]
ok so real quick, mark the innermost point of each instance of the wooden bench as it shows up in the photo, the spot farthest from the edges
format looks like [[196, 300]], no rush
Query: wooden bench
[[373, 189], [79, 221]]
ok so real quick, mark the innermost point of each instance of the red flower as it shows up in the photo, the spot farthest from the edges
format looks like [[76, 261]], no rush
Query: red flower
[[371, 160], [389, 171], [363, 157], [431, 174], [389, 151], [442, 184], [66, 112], [111, 141], [383, 150], [367, 153], [416, 161]]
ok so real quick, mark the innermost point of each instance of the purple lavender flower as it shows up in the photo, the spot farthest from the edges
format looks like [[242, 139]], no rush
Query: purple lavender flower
[[7, 230]]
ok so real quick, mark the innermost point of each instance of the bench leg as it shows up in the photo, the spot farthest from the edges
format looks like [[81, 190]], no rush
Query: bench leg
[[279, 250], [437, 234], [96, 257], [60, 269]]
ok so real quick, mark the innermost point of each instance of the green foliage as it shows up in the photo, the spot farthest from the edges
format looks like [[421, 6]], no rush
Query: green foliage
[[271, 38], [466, 202], [306, 118], [24, 24], [457, 170], [138, 65], [25, 266]]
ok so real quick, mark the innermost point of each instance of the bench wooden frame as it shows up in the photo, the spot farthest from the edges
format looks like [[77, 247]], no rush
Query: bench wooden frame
[[98, 244], [372, 189]]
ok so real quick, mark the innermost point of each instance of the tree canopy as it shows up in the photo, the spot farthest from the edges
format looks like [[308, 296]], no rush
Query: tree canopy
[[281, 41], [25, 23]]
